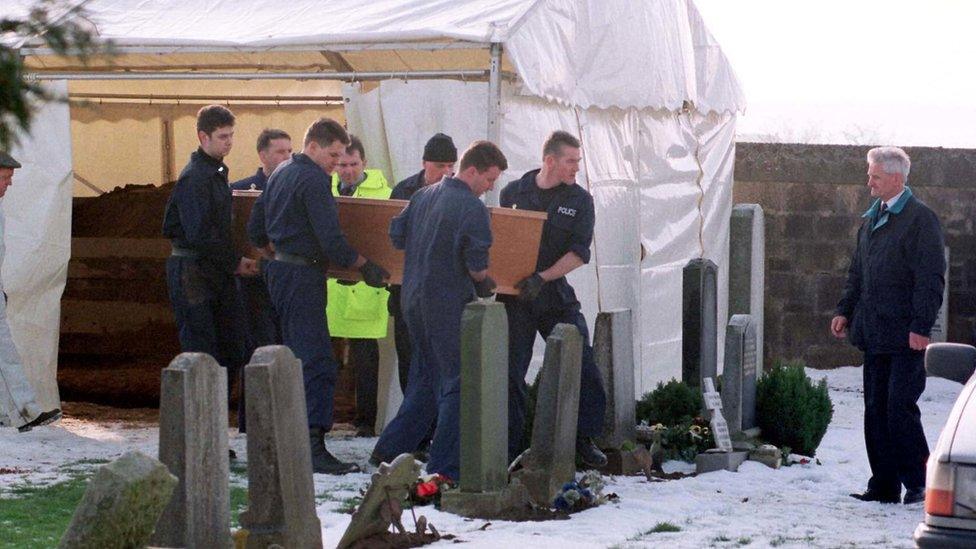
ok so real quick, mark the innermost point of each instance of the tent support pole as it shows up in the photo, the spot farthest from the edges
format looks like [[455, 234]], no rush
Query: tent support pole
[[192, 75], [494, 105]]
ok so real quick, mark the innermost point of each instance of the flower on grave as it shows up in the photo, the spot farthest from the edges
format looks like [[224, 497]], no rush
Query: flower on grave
[[428, 488], [658, 427]]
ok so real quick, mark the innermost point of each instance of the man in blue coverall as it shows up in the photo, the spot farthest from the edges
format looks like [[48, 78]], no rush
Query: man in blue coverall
[[546, 298], [261, 325], [440, 154], [200, 272], [445, 233], [890, 302], [301, 223]]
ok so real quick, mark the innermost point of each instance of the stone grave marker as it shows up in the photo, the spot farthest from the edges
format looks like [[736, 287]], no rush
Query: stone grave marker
[[699, 332], [550, 460], [739, 377], [720, 429], [281, 495], [483, 489], [940, 330], [193, 445], [383, 501], [747, 259], [613, 350], [121, 505]]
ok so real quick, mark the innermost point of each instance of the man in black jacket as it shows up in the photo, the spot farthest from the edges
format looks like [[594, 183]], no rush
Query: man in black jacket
[[892, 296]]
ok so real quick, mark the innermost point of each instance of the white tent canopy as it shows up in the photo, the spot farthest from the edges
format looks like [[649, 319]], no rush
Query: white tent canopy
[[643, 84]]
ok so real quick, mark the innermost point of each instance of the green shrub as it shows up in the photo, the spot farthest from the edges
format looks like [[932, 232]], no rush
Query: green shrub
[[791, 410], [670, 404], [687, 439]]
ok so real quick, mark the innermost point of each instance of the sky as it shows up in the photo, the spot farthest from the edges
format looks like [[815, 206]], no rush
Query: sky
[[856, 71]]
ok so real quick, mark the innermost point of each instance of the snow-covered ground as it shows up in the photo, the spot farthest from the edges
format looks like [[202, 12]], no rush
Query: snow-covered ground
[[798, 506]]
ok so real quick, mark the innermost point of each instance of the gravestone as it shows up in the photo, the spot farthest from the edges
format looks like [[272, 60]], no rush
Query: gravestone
[[483, 489], [550, 460], [940, 330], [747, 261], [699, 332], [281, 495], [193, 445], [382, 503], [121, 505], [739, 377], [722, 456], [613, 351]]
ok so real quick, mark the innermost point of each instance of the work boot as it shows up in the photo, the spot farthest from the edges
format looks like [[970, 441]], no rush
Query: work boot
[[46, 417], [914, 495], [875, 495], [322, 460], [589, 454]]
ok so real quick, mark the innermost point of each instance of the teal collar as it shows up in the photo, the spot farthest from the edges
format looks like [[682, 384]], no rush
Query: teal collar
[[894, 209]]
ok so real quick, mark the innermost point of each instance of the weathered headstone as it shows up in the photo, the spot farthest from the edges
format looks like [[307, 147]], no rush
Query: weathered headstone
[[940, 330], [747, 260], [483, 489], [121, 505], [280, 495], [613, 352], [739, 377], [382, 503], [713, 402], [699, 332], [193, 445], [550, 460]]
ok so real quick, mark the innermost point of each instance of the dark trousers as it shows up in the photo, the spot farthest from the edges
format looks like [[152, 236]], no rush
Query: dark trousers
[[897, 449], [365, 355], [402, 339], [523, 324], [298, 294], [261, 328], [208, 312]]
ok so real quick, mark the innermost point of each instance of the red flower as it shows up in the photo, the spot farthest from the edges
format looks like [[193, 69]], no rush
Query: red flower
[[427, 489]]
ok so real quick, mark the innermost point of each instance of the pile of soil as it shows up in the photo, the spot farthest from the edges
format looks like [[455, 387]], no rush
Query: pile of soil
[[133, 211]]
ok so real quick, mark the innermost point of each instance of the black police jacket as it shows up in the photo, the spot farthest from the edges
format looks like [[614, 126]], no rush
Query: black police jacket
[[198, 213], [896, 277], [568, 228]]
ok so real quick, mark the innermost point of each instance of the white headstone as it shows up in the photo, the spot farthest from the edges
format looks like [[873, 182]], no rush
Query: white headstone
[[720, 429]]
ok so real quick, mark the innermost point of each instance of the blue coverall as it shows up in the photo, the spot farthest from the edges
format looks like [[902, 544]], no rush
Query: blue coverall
[[445, 232], [200, 273], [894, 286], [297, 214], [568, 228]]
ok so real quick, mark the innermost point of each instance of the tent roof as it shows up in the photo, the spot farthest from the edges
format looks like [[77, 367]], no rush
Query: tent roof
[[603, 53]]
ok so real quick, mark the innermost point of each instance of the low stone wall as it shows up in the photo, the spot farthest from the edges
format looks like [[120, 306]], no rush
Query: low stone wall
[[813, 197]]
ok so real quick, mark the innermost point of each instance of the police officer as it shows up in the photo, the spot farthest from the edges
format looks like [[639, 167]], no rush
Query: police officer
[[545, 297], [357, 311], [261, 324], [445, 233], [440, 154], [302, 224], [410, 433], [200, 271], [890, 302], [18, 402]]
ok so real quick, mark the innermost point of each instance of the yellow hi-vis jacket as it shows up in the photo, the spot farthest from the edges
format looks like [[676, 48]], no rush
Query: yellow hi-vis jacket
[[359, 311]]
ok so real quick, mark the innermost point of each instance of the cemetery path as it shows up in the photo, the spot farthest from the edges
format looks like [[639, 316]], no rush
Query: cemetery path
[[797, 506]]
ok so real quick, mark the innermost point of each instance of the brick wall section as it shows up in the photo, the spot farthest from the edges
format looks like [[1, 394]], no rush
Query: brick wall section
[[813, 196]]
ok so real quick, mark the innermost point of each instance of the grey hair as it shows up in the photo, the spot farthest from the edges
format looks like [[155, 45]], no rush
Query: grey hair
[[891, 160]]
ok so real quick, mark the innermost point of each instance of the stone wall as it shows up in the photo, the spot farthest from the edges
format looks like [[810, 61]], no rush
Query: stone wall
[[813, 197]]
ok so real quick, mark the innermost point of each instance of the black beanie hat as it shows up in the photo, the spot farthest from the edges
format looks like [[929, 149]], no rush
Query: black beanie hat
[[440, 148]]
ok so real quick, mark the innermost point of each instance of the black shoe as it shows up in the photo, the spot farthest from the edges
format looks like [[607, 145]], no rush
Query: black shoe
[[365, 431], [914, 495], [376, 460], [322, 460], [589, 454], [46, 417], [874, 495]]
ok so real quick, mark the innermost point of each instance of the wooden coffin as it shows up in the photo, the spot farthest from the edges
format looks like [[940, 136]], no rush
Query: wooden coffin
[[366, 223]]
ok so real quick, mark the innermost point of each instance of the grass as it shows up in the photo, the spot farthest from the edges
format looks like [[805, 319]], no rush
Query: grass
[[37, 515], [662, 527]]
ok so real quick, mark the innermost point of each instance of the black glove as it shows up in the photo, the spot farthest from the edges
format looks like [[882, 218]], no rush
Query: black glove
[[346, 282], [529, 287], [374, 275], [485, 287]]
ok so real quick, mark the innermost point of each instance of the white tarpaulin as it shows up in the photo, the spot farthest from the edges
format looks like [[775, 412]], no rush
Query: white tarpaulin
[[661, 183], [37, 236]]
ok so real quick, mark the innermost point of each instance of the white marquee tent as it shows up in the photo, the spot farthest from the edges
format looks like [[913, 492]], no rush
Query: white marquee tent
[[642, 83]]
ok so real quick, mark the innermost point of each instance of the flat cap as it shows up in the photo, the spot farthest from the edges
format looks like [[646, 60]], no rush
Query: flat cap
[[7, 161]]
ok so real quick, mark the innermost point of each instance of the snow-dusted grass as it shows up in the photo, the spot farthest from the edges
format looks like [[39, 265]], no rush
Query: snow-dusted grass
[[798, 506]]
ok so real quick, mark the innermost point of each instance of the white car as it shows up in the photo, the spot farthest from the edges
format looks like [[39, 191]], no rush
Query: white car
[[950, 478]]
